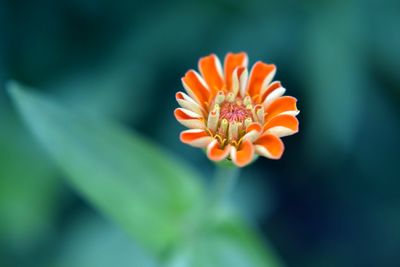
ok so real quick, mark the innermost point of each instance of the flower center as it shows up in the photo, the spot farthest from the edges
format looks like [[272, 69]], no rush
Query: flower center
[[234, 111], [230, 115]]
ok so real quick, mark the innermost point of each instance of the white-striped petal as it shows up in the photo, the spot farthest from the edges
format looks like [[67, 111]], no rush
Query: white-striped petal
[[235, 82], [190, 91], [189, 118], [196, 138], [278, 92], [280, 131], [290, 112], [187, 102], [243, 82], [267, 81], [263, 151]]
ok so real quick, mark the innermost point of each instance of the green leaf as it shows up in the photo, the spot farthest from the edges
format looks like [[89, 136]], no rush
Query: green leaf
[[149, 192], [94, 242], [227, 243], [27, 187]]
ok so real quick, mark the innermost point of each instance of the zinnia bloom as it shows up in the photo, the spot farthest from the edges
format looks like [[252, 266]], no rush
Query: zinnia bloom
[[235, 115]]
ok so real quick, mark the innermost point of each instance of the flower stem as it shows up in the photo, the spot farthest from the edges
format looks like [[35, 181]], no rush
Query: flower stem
[[224, 180]]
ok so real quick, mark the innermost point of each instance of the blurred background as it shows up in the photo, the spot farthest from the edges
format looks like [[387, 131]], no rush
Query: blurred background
[[333, 199]]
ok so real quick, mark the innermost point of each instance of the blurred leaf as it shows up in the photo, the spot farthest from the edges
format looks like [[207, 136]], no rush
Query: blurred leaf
[[227, 243], [147, 191], [27, 187], [94, 242]]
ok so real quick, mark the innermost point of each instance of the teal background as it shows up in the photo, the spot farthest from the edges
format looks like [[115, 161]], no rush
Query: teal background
[[332, 200]]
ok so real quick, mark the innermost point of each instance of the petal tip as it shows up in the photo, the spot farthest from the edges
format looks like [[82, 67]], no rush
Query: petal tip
[[244, 156], [215, 153]]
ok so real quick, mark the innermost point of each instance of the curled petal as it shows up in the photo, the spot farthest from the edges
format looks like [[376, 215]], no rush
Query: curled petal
[[196, 137], [189, 118], [244, 76], [282, 105], [282, 125], [272, 92], [239, 80], [187, 102], [244, 155], [211, 70], [260, 76], [232, 61], [253, 131], [269, 146], [215, 152], [196, 87]]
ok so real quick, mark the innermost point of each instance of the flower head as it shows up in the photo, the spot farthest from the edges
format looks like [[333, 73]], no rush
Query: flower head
[[233, 114]]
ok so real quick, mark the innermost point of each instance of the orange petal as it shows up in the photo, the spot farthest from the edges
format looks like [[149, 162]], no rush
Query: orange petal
[[272, 92], [211, 70], [282, 105], [282, 125], [254, 127], [260, 76], [253, 131], [196, 137], [216, 153], [239, 78], [244, 155], [232, 61], [189, 118], [273, 86], [187, 102], [269, 146], [196, 87]]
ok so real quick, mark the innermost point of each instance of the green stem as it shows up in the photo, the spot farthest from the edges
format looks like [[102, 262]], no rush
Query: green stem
[[224, 180]]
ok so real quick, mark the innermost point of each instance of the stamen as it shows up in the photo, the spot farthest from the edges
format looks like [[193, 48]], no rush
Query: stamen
[[230, 97], [241, 129], [213, 118], [247, 122], [220, 97], [233, 131], [223, 127], [247, 101]]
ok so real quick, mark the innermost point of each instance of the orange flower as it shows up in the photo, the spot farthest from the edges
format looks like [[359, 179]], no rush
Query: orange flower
[[233, 114]]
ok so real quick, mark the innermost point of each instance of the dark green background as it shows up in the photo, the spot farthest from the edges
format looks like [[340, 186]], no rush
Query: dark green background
[[332, 200]]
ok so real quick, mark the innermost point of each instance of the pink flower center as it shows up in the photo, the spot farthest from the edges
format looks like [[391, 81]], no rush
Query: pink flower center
[[234, 112]]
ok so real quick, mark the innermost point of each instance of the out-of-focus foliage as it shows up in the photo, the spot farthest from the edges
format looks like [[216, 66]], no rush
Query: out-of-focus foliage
[[26, 198], [93, 241], [225, 243], [129, 179], [156, 199], [331, 201]]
